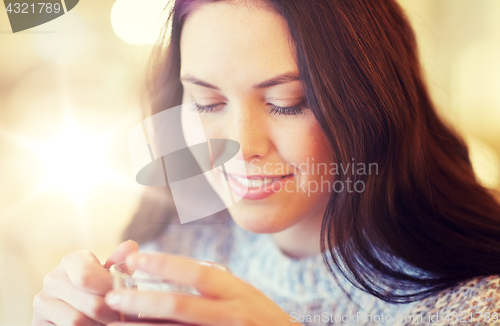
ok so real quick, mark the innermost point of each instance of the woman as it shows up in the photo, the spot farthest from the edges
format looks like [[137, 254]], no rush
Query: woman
[[301, 83]]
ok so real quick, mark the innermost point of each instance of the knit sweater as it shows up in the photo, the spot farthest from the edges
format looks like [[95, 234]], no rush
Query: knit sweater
[[306, 289]]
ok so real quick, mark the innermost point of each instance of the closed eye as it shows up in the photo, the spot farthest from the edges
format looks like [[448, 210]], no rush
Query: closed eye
[[288, 110], [275, 109], [206, 108]]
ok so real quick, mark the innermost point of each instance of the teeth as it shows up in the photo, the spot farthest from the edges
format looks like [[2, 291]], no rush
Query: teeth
[[254, 183]]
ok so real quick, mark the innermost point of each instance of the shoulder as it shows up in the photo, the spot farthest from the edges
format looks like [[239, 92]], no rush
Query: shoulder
[[472, 302]]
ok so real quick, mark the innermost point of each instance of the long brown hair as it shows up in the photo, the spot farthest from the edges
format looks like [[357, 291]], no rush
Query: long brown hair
[[423, 223]]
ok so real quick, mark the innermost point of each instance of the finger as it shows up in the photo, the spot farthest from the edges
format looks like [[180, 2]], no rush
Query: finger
[[85, 272], [92, 305], [39, 321], [189, 309], [209, 281], [44, 323], [59, 312], [149, 324], [121, 252]]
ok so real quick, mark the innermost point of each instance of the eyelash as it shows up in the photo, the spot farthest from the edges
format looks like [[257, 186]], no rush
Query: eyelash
[[206, 108], [286, 110]]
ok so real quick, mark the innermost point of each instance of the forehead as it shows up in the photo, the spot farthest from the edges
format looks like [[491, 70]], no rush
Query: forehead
[[233, 41]]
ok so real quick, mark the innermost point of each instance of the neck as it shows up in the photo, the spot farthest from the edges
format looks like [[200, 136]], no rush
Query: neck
[[302, 239]]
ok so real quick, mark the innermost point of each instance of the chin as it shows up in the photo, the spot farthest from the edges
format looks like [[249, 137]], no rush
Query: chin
[[257, 222]]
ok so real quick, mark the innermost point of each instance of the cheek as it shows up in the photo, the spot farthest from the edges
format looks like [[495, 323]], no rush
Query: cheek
[[192, 128], [303, 143]]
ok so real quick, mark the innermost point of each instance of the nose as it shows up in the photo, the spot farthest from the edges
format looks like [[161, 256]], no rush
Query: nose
[[248, 126]]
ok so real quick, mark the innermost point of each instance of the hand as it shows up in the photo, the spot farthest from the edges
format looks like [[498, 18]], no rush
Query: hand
[[73, 293], [225, 299]]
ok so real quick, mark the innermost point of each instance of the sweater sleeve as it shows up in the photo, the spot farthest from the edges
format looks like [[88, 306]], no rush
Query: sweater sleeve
[[474, 302]]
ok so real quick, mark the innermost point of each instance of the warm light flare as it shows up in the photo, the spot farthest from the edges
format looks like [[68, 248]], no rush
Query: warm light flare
[[139, 22], [74, 161], [485, 163]]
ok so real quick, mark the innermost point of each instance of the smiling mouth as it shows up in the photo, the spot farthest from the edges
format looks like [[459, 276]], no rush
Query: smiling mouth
[[256, 182]]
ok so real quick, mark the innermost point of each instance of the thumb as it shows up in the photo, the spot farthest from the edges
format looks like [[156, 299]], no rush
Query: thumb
[[121, 252]]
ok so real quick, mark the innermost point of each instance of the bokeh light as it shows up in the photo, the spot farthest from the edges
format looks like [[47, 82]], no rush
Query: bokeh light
[[139, 22], [69, 44]]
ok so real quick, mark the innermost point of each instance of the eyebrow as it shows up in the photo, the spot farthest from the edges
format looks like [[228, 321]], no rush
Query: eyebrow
[[277, 80]]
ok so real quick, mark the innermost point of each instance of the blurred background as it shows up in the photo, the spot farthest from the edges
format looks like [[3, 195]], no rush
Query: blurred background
[[70, 92]]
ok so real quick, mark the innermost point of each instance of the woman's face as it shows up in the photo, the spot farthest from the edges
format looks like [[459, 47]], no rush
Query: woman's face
[[239, 61]]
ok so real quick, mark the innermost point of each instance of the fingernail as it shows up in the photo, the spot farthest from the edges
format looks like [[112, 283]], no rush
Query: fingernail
[[130, 259], [113, 299]]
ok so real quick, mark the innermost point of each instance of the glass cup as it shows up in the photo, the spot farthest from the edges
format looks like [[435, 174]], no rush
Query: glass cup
[[125, 278]]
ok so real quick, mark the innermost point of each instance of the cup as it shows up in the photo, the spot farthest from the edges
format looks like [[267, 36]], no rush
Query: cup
[[125, 278]]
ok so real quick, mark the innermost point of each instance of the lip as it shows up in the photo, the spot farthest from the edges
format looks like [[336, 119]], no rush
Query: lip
[[254, 177], [261, 192]]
